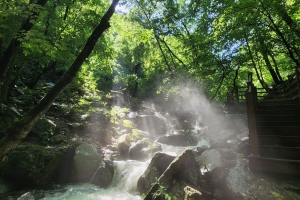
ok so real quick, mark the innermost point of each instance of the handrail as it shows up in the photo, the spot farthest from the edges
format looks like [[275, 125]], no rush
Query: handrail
[[290, 89]]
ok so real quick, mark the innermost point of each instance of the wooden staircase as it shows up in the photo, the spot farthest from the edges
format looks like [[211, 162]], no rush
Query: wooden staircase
[[274, 131], [278, 137]]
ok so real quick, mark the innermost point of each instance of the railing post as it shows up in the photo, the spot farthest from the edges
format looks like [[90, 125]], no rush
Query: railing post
[[236, 92], [297, 71], [275, 92], [250, 100], [290, 77]]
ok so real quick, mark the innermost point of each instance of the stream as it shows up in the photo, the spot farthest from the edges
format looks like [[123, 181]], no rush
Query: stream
[[123, 187]]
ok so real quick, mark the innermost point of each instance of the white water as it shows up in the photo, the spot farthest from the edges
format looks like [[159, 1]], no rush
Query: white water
[[124, 186]]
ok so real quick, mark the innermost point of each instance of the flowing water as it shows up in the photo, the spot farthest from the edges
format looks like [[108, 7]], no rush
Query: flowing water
[[123, 187]]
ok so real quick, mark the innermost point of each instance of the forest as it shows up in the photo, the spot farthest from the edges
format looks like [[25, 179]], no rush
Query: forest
[[66, 50]]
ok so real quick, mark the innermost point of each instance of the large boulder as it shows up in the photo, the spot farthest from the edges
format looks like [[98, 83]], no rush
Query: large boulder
[[139, 134], [222, 139], [178, 140], [209, 160], [143, 149], [183, 171], [102, 177], [32, 165], [124, 143], [44, 129], [215, 164], [11, 114], [86, 162], [152, 124], [157, 166]]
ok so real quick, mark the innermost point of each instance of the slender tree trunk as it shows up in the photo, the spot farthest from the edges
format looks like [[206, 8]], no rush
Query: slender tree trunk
[[6, 83], [157, 40], [172, 53], [288, 20], [220, 84], [263, 84], [276, 65], [14, 45], [280, 34], [163, 54], [264, 52], [22, 127], [270, 68]]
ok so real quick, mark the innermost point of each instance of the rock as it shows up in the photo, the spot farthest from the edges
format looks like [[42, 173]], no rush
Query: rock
[[178, 140], [32, 165], [128, 123], [192, 194], [209, 160], [8, 116], [138, 134], [152, 124], [64, 174], [58, 139], [26, 196], [183, 171], [143, 148], [184, 167], [4, 186], [132, 115], [86, 162], [107, 137], [44, 129], [157, 166], [124, 143], [215, 164], [220, 138], [244, 148], [102, 177]]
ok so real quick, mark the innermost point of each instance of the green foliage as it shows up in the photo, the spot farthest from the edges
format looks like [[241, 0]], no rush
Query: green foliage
[[161, 191]]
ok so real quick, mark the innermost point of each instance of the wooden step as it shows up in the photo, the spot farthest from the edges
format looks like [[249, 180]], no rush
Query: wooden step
[[282, 102], [278, 130], [274, 165], [278, 107], [277, 112], [292, 153], [273, 140], [277, 118], [278, 123]]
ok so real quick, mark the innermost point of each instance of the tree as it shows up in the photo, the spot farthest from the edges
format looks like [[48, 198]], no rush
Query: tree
[[22, 127], [14, 45]]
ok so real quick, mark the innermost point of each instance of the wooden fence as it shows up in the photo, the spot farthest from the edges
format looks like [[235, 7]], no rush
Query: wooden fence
[[290, 89]]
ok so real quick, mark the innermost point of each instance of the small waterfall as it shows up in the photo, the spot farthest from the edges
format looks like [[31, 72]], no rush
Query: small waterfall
[[127, 174], [124, 186]]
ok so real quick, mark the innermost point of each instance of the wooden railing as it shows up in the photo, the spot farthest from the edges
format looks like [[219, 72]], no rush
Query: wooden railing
[[290, 89]]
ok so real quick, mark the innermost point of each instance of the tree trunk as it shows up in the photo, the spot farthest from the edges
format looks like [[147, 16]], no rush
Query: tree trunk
[[288, 20], [6, 83], [14, 45], [264, 51], [280, 34], [276, 65], [261, 81], [22, 127]]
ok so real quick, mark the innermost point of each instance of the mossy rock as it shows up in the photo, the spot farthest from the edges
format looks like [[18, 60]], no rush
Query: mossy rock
[[128, 123], [138, 134], [32, 165], [86, 162], [44, 129]]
